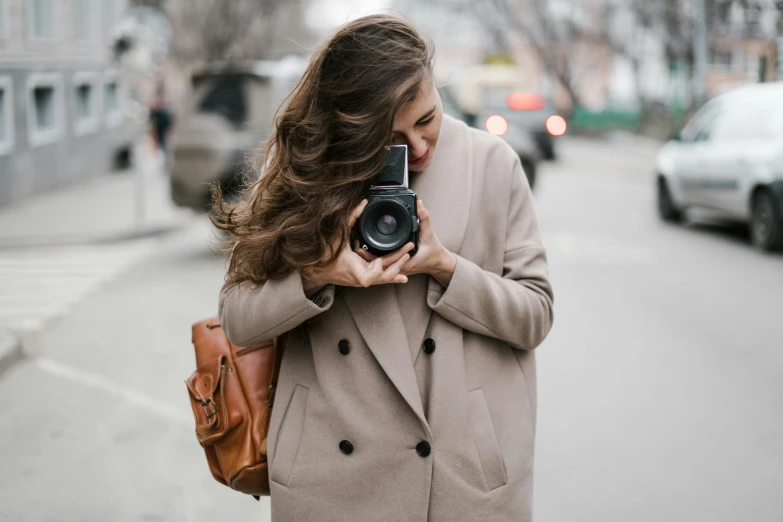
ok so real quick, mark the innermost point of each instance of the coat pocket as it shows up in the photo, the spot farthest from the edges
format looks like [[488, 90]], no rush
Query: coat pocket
[[486, 441], [288, 437]]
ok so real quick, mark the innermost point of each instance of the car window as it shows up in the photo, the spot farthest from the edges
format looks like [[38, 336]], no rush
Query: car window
[[451, 107], [449, 104], [226, 97], [701, 126]]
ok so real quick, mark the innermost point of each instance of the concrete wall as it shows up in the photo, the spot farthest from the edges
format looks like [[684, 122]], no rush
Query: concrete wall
[[30, 167], [36, 163]]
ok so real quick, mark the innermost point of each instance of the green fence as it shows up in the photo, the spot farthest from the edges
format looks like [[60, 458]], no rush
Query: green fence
[[659, 122]]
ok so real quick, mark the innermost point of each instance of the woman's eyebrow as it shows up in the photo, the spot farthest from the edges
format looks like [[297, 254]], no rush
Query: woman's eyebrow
[[428, 114]]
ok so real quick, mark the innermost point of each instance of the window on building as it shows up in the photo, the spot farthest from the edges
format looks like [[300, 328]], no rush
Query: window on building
[[85, 103], [6, 116], [41, 17], [43, 100], [44, 109], [84, 96], [112, 101], [83, 27], [4, 20]]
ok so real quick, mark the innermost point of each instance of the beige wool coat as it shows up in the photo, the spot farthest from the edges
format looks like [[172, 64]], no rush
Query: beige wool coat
[[413, 402]]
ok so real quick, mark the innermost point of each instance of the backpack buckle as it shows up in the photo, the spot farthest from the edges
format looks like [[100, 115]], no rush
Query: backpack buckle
[[210, 408]]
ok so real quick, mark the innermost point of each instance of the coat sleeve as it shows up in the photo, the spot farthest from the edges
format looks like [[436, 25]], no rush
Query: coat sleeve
[[251, 313], [516, 306]]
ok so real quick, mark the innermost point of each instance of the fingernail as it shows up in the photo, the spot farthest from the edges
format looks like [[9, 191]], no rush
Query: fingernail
[[406, 257]]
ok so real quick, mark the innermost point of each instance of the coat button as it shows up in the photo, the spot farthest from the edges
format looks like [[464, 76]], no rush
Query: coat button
[[346, 447], [429, 345], [344, 346], [423, 448]]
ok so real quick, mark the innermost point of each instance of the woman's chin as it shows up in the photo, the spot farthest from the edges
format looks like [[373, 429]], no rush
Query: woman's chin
[[418, 167]]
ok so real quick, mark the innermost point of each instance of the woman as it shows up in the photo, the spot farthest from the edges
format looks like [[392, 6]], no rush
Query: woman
[[407, 389]]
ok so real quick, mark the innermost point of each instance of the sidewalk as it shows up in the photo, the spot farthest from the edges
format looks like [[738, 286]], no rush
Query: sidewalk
[[98, 210]]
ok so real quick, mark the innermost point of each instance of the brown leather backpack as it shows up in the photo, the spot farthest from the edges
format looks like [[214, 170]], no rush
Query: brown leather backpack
[[231, 393]]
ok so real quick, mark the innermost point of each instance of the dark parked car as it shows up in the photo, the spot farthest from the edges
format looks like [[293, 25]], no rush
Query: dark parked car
[[518, 136], [228, 113]]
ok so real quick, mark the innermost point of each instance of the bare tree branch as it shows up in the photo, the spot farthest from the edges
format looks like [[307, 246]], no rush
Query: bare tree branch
[[218, 29]]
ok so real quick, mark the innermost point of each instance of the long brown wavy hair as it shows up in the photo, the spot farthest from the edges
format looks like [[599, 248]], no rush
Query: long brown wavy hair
[[329, 141]]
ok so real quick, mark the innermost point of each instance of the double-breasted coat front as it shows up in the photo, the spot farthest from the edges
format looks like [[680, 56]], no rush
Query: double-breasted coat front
[[414, 402]]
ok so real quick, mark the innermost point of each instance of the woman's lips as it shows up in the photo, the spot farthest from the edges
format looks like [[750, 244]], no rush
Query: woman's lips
[[421, 159]]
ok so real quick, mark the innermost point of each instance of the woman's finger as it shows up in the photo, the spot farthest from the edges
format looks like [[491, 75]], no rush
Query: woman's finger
[[364, 254], [393, 271], [425, 227], [372, 273], [359, 272], [392, 257], [421, 211], [355, 267], [356, 212]]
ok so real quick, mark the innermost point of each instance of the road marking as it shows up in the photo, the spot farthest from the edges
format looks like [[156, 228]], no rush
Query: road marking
[[37, 285], [101, 383]]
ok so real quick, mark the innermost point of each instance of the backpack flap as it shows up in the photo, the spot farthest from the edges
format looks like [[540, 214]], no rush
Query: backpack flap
[[207, 391]]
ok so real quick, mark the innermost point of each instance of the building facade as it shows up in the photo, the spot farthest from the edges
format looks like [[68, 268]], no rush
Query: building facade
[[61, 103]]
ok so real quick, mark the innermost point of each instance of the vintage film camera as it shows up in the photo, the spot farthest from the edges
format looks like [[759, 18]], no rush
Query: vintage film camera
[[389, 220]]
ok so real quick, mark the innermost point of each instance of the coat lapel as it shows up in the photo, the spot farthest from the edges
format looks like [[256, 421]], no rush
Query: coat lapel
[[378, 318], [412, 300], [446, 186]]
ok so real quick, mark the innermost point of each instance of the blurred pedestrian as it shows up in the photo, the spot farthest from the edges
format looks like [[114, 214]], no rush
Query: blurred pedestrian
[[162, 121], [407, 390]]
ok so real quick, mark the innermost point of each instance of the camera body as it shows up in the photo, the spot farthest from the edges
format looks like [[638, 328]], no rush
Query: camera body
[[390, 219]]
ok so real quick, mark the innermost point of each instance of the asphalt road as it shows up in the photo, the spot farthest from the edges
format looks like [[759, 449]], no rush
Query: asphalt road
[[660, 386]]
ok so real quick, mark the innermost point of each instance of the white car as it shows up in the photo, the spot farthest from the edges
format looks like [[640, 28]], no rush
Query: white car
[[729, 158]]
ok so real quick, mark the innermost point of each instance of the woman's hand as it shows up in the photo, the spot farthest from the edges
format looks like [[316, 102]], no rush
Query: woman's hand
[[351, 269], [432, 257]]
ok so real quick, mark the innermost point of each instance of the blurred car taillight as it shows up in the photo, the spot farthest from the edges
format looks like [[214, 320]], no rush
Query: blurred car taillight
[[556, 125], [525, 101], [496, 124]]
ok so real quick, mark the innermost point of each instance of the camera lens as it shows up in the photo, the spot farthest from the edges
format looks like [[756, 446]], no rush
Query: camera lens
[[386, 225]]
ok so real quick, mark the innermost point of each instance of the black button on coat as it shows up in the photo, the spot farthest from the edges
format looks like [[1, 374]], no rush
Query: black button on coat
[[429, 345], [423, 448], [344, 346]]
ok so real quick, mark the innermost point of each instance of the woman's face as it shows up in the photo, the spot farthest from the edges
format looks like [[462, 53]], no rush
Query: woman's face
[[417, 125]]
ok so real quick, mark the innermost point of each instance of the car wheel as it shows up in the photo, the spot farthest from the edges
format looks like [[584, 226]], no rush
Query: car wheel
[[766, 225], [548, 151], [529, 167], [667, 208]]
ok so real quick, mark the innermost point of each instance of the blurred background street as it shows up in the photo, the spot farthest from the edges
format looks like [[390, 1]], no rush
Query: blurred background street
[[650, 133]]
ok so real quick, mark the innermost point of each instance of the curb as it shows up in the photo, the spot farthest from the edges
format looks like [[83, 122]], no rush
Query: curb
[[10, 350]]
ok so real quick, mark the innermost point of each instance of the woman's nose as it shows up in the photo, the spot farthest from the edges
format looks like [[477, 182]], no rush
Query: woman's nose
[[417, 147]]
